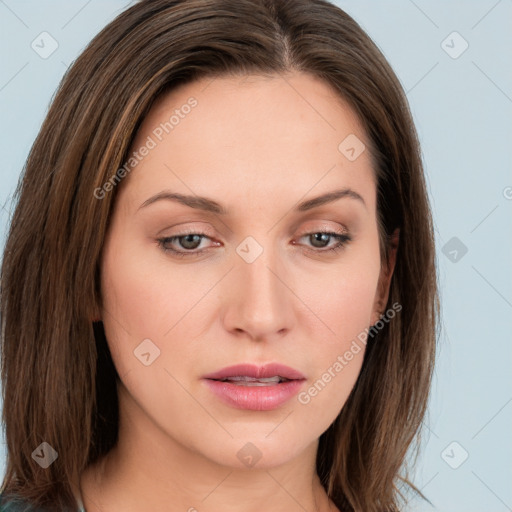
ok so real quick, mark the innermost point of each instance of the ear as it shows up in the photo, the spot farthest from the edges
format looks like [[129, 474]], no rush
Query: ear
[[382, 294]]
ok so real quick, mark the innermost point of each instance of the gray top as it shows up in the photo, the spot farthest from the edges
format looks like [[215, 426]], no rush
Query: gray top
[[17, 505], [81, 504]]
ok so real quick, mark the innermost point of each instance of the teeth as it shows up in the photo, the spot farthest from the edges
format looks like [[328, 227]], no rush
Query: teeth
[[253, 381]]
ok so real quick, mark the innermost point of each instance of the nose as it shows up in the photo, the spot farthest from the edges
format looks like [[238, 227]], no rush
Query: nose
[[259, 304]]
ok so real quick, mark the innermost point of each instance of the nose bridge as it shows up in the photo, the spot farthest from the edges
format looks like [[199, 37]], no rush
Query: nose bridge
[[261, 285], [261, 303]]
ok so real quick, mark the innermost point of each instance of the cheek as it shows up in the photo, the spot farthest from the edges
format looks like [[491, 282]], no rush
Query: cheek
[[143, 298], [329, 389], [141, 306], [342, 297], [345, 303], [337, 358], [136, 291], [132, 301], [348, 304]]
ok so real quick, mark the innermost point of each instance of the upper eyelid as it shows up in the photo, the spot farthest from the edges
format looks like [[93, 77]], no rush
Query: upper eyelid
[[185, 232], [322, 226]]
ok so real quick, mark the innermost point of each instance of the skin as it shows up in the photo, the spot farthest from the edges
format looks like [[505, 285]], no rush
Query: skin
[[257, 145]]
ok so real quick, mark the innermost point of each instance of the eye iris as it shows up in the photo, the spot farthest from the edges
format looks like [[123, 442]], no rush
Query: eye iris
[[323, 238], [194, 240]]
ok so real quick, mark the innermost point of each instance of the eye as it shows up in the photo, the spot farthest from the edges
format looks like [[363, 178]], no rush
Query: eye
[[189, 242], [320, 239]]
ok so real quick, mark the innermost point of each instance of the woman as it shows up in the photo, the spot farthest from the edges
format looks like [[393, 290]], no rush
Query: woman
[[219, 285]]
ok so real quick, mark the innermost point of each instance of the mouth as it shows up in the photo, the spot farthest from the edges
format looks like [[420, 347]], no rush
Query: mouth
[[272, 372], [257, 388], [244, 380]]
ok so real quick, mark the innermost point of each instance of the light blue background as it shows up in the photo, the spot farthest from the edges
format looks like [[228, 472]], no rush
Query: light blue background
[[462, 108]]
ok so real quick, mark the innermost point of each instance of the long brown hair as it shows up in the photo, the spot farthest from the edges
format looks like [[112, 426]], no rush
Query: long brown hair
[[57, 375]]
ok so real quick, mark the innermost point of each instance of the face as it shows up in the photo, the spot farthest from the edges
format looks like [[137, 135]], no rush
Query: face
[[256, 274]]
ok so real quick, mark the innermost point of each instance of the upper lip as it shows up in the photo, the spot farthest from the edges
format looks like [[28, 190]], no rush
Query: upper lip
[[255, 371]]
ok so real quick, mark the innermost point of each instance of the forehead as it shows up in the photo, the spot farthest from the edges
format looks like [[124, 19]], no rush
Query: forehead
[[250, 135]]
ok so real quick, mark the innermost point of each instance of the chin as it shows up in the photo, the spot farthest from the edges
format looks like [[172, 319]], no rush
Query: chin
[[256, 452]]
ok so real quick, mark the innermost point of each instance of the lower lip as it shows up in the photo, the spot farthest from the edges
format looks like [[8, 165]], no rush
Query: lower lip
[[254, 398]]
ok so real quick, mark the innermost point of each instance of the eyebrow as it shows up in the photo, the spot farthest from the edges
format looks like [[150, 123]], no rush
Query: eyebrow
[[209, 205]]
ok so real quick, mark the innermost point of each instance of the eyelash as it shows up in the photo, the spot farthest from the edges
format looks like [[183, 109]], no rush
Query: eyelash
[[343, 240]]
